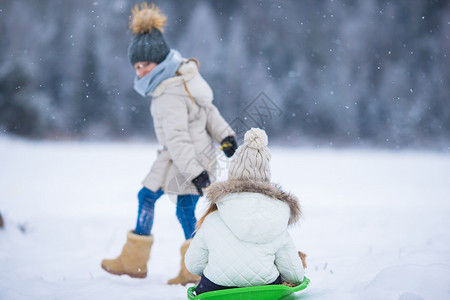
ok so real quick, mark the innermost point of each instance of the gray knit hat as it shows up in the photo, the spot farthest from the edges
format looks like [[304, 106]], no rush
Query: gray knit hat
[[252, 160], [148, 44]]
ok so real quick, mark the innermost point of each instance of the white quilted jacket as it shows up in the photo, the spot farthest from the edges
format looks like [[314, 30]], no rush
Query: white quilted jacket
[[246, 242]]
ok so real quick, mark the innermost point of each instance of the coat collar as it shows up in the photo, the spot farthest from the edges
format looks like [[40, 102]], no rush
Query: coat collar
[[220, 189], [187, 70]]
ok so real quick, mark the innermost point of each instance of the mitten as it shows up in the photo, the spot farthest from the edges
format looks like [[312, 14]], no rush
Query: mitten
[[229, 145], [201, 181]]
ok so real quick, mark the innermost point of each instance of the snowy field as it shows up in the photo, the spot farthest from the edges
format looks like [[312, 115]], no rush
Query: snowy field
[[375, 223]]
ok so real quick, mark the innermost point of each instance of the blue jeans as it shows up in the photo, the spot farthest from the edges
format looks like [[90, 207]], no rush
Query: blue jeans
[[146, 212]]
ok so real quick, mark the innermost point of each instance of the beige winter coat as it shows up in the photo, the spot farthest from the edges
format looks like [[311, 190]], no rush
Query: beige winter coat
[[186, 123]]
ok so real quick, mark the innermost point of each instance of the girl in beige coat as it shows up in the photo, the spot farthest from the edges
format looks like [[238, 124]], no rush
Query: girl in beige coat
[[186, 125]]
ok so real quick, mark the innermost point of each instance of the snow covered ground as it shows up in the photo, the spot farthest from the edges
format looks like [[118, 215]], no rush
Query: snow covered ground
[[375, 224]]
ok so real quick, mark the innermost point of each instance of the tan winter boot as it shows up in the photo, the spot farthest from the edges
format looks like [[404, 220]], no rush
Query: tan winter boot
[[184, 277], [134, 257]]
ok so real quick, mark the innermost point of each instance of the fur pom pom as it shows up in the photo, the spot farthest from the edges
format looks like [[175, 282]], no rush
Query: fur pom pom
[[146, 18]]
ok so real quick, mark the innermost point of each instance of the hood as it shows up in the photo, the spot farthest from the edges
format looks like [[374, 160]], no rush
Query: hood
[[254, 212], [187, 81]]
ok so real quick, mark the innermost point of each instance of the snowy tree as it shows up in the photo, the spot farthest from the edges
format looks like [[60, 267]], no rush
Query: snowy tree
[[344, 72]]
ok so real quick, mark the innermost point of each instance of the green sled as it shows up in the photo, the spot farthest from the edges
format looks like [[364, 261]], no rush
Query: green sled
[[263, 292]]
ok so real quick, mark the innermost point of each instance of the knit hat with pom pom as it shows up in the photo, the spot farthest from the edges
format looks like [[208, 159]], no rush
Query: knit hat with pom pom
[[148, 44], [252, 160]]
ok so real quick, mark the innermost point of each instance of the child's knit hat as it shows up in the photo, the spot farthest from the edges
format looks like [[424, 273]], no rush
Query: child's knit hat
[[252, 160], [148, 44]]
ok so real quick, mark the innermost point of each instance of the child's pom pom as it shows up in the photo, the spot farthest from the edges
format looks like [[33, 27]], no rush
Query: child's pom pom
[[255, 138], [145, 19]]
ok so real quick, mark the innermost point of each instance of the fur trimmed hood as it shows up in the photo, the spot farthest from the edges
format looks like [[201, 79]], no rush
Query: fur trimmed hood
[[219, 190]]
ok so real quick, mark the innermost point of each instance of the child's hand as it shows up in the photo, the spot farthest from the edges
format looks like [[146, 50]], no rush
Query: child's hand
[[201, 181], [229, 145]]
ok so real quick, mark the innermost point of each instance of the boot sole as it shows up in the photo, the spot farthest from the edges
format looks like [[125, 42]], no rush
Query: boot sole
[[133, 275], [183, 282]]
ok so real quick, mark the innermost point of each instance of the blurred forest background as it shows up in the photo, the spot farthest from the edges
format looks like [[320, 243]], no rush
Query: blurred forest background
[[339, 73]]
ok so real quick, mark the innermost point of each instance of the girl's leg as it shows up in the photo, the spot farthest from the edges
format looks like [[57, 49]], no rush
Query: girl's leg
[[146, 212], [186, 213]]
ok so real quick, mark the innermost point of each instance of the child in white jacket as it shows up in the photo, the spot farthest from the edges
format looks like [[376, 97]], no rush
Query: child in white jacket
[[242, 240]]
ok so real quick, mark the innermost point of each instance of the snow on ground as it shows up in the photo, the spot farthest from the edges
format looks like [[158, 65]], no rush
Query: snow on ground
[[375, 223]]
